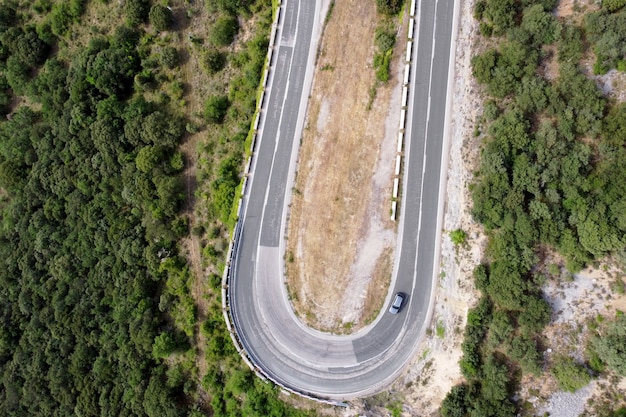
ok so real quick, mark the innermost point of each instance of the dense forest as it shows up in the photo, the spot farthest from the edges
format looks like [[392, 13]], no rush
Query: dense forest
[[551, 180], [97, 315]]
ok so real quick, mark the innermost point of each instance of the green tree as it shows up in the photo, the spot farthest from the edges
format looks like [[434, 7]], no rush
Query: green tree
[[456, 403], [500, 15], [164, 345], [501, 328], [535, 316], [613, 5], [540, 24], [30, 49], [147, 158], [112, 71], [523, 350], [570, 43], [483, 65], [5, 95], [61, 19]]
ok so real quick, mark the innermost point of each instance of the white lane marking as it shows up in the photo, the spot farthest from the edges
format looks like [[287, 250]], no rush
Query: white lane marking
[[428, 108]]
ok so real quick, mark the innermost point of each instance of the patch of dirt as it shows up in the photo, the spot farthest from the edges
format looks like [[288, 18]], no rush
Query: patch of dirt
[[341, 240], [549, 67], [565, 8], [573, 10], [613, 85]]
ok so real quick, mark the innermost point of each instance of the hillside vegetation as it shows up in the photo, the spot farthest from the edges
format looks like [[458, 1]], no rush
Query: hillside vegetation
[[551, 180], [97, 314]]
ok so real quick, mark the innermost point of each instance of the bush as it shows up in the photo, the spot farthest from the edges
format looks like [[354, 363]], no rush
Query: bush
[[224, 31], [458, 237], [613, 5], [136, 11], [215, 109], [231, 7], [213, 61], [611, 346], [170, 57], [60, 19], [570, 375], [381, 65], [388, 7], [160, 17], [384, 39]]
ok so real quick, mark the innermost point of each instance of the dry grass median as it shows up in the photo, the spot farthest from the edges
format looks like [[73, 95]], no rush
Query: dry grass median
[[341, 241]]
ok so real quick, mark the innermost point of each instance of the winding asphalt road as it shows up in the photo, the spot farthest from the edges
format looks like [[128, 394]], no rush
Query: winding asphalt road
[[277, 343]]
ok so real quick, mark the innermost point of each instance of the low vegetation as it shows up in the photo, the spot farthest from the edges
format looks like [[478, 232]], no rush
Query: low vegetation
[[384, 41]]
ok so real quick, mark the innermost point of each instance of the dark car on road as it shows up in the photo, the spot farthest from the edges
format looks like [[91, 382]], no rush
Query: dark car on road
[[398, 302]]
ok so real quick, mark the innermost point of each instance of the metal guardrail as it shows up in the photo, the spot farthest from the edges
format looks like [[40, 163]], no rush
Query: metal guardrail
[[403, 112]]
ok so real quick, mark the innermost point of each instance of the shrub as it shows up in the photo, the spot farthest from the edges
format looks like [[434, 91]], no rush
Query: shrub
[[388, 7], [224, 31], [170, 57], [384, 39], [60, 19], [136, 11], [231, 7], [215, 109], [570, 375], [613, 5], [458, 237], [381, 64], [213, 61], [160, 17], [611, 346]]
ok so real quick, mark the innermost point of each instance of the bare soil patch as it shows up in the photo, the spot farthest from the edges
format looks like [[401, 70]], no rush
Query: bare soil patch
[[574, 10], [340, 242]]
